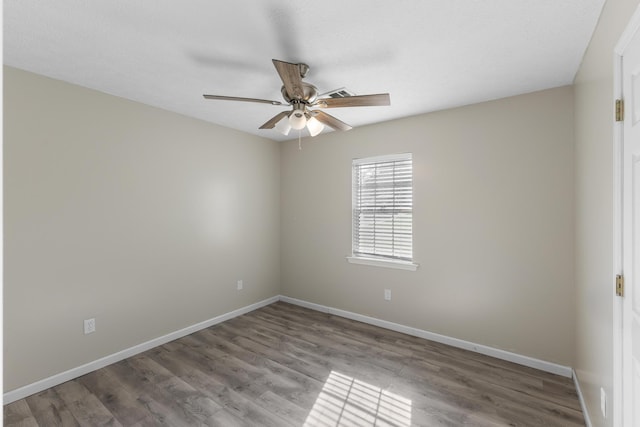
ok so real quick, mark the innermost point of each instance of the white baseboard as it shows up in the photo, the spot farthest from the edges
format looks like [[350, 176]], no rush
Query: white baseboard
[[583, 405], [38, 386], [62, 377], [565, 371]]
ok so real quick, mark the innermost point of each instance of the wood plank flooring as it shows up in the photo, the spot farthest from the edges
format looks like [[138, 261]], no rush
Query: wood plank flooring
[[284, 365]]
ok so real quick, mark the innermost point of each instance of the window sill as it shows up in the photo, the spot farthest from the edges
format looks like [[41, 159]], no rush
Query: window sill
[[400, 265]]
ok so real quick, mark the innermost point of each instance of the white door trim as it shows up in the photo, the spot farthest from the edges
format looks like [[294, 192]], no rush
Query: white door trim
[[618, 128]]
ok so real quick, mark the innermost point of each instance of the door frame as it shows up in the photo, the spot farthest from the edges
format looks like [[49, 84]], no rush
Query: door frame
[[618, 132]]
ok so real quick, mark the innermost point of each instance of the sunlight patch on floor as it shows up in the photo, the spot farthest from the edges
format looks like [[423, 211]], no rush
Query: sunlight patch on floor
[[346, 401]]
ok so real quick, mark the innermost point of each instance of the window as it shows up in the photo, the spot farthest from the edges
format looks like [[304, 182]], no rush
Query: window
[[383, 211]]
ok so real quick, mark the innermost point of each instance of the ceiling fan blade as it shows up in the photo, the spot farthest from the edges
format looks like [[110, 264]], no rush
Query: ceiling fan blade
[[275, 119], [237, 98], [355, 101], [290, 76], [330, 121]]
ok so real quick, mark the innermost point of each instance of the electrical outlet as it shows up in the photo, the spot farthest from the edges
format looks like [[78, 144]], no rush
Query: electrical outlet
[[89, 326], [240, 285], [387, 294], [603, 402]]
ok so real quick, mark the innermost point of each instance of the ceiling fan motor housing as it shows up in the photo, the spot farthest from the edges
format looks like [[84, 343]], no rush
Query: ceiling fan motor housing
[[309, 94]]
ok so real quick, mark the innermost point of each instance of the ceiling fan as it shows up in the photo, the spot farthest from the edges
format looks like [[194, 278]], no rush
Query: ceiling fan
[[303, 96]]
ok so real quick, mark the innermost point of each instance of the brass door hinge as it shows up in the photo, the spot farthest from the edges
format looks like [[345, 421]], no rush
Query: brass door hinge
[[619, 110], [620, 285]]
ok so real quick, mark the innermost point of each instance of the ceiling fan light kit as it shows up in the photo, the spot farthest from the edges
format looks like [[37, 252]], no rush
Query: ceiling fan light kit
[[314, 126], [301, 96], [283, 126], [297, 119]]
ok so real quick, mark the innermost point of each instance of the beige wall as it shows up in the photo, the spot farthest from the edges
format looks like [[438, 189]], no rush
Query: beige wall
[[493, 224], [138, 217], [593, 98]]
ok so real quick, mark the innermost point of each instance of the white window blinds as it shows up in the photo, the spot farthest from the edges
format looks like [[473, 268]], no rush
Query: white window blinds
[[383, 207]]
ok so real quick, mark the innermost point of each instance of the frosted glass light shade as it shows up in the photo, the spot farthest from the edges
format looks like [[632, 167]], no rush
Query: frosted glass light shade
[[314, 126], [283, 126], [297, 120]]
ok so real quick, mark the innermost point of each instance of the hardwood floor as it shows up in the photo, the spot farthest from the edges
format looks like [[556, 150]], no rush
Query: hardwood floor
[[284, 365]]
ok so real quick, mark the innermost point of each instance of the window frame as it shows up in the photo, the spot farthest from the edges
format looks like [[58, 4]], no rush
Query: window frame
[[381, 260]]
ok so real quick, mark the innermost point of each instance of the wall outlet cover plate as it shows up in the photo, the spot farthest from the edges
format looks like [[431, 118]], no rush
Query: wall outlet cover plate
[[89, 326]]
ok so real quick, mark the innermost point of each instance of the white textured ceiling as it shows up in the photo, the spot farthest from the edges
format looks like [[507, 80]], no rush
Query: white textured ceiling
[[429, 55]]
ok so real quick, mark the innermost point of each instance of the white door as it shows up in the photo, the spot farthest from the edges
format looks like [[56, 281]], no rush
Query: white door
[[631, 233]]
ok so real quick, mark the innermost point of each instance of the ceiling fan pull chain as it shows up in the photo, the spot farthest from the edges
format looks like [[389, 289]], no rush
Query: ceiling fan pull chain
[[299, 140]]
